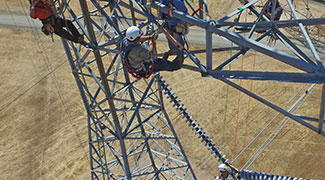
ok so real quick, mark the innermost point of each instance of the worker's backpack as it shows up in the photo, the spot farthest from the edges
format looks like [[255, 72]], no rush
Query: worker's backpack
[[39, 9], [146, 69]]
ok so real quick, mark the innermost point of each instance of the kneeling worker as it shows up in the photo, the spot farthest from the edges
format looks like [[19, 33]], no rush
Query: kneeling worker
[[139, 59], [277, 11]]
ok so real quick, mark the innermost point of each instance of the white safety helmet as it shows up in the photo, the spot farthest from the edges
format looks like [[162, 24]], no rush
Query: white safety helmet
[[222, 167], [132, 33]]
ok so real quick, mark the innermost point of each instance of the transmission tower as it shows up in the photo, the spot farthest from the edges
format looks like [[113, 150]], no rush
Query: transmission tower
[[130, 133]]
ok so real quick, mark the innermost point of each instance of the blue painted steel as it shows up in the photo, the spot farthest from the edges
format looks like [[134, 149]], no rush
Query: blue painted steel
[[308, 40], [271, 105], [273, 76], [245, 42], [300, 54], [315, 74], [107, 91], [279, 24], [308, 118], [138, 105], [108, 19], [255, 10], [237, 11], [206, 10], [124, 4], [241, 52], [208, 37], [191, 7], [201, 12], [196, 61], [83, 97]]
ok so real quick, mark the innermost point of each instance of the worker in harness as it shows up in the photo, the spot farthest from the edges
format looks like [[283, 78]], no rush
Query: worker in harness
[[42, 10], [139, 59], [277, 15], [176, 28], [277, 12], [225, 172]]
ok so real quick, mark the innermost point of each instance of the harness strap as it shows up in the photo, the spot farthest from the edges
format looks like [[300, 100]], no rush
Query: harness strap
[[138, 76], [169, 12], [128, 67]]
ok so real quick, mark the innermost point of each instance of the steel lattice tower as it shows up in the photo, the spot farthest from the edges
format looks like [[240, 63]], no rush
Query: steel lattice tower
[[130, 133]]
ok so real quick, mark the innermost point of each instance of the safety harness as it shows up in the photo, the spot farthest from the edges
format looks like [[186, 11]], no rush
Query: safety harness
[[144, 71]]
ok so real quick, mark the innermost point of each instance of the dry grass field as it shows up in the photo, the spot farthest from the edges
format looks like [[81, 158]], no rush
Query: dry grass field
[[43, 125]]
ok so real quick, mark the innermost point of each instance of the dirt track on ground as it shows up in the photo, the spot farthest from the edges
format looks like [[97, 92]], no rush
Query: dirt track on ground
[[43, 126]]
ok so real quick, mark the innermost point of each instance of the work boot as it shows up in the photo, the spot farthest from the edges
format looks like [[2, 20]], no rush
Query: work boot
[[45, 31], [179, 60], [80, 39], [168, 53]]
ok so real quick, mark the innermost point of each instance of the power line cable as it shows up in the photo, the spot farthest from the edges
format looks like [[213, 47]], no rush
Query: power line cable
[[267, 142], [271, 137], [52, 74], [255, 138]]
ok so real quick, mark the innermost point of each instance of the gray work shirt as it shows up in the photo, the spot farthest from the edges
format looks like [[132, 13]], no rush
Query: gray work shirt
[[138, 55]]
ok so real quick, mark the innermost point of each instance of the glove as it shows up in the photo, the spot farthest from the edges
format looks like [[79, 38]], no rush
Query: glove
[[182, 28], [154, 37], [179, 28], [187, 28], [45, 31], [49, 27]]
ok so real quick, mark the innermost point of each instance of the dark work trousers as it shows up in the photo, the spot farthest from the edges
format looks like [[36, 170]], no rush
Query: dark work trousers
[[65, 29], [165, 65]]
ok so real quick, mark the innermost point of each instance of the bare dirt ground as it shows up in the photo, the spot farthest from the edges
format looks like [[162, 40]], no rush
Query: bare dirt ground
[[43, 126]]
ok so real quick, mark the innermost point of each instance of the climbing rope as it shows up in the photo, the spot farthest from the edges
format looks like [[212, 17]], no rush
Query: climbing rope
[[271, 137], [196, 11], [239, 96], [226, 103], [255, 138], [249, 104], [137, 76]]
